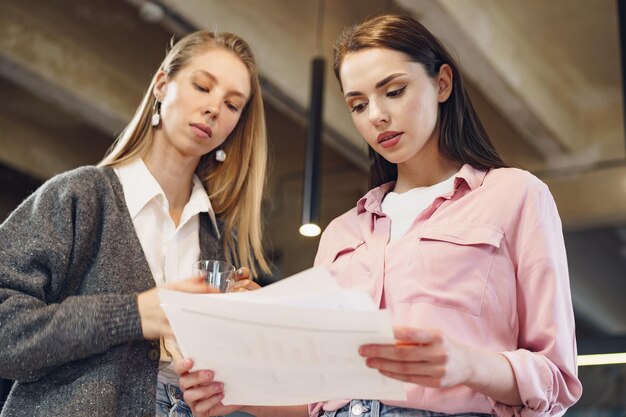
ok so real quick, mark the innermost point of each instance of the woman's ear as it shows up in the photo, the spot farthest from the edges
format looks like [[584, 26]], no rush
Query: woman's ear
[[444, 83], [160, 85]]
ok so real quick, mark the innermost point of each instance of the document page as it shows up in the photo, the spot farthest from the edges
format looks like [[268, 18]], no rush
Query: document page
[[292, 342]]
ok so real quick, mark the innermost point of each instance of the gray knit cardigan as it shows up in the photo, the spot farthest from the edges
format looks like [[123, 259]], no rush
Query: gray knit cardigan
[[71, 267]]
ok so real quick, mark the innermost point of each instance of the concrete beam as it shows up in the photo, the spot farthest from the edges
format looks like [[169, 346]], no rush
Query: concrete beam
[[477, 65], [542, 76], [68, 71], [591, 199], [38, 155]]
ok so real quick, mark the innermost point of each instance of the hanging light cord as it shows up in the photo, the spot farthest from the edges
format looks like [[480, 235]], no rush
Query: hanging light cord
[[320, 28]]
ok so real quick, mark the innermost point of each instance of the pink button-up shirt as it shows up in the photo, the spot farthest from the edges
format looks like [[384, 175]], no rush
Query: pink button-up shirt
[[486, 264]]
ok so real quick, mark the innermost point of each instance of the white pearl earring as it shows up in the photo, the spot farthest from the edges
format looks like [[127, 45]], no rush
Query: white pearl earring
[[156, 117], [220, 155]]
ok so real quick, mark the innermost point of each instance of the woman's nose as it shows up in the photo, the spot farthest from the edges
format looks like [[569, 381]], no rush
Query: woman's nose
[[377, 114]]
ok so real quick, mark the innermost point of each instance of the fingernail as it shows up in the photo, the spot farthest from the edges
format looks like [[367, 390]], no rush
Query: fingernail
[[187, 362], [364, 351], [240, 271], [207, 376]]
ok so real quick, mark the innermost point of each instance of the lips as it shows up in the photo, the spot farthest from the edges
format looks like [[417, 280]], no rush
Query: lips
[[385, 136], [202, 129], [389, 139]]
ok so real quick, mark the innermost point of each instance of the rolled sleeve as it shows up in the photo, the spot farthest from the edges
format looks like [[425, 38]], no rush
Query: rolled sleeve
[[538, 383]]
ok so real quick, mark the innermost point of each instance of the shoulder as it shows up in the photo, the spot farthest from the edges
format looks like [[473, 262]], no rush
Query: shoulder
[[85, 176], [83, 186], [347, 222], [515, 181], [340, 233], [85, 180], [520, 194]]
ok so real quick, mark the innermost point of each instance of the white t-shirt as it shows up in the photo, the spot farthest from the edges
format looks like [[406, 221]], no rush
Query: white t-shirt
[[403, 208]]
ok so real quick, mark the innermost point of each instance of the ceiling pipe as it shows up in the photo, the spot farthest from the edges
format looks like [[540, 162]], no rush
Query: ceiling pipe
[[621, 15]]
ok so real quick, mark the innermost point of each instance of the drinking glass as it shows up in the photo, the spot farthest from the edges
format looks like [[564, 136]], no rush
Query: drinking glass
[[218, 274]]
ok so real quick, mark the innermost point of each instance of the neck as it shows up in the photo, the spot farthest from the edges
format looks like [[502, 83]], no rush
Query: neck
[[174, 173], [428, 168]]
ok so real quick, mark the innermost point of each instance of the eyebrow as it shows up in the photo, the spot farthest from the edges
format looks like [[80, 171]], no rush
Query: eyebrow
[[379, 84], [214, 79]]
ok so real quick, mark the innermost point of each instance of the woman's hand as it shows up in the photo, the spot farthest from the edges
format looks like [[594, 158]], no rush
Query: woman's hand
[[202, 394], [243, 282], [154, 323], [422, 356], [429, 357]]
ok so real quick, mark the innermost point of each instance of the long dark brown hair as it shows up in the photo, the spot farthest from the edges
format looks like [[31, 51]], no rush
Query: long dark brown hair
[[463, 137]]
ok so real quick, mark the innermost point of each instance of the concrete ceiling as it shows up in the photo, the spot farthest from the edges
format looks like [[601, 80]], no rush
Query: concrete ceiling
[[550, 70], [544, 77]]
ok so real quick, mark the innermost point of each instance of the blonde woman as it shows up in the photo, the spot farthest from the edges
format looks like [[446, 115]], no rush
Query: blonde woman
[[80, 322]]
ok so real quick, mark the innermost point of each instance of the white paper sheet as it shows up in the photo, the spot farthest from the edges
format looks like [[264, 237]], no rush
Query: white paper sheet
[[292, 342]]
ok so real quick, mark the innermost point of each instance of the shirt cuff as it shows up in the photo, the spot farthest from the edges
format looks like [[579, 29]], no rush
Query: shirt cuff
[[535, 383]]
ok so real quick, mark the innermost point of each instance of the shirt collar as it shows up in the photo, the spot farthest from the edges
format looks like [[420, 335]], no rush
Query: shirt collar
[[471, 176], [199, 202], [140, 187], [372, 201]]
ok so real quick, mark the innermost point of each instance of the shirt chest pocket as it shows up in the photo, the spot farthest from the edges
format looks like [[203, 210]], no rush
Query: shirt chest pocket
[[451, 266]]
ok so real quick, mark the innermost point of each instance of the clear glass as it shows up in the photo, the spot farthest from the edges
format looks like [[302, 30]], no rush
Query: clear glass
[[218, 274]]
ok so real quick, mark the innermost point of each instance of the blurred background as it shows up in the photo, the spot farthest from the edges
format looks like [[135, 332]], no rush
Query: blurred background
[[545, 77]]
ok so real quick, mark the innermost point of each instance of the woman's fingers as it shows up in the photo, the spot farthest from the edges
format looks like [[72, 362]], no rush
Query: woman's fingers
[[242, 273], [243, 281], [422, 356], [197, 285], [244, 285], [184, 366], [413, 336], [425, 369], [191, 379], [204, 392], [405, 353]]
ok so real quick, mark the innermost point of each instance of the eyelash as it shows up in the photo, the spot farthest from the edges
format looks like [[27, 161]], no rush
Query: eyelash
[[358, 108], [391, 94], [396, 93], [202, 89]]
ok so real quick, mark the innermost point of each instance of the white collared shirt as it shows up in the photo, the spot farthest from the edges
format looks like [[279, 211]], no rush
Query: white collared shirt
[[170, 250]]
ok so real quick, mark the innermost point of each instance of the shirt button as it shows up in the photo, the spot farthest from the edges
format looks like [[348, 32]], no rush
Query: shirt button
[[358, 409], [154, 354]]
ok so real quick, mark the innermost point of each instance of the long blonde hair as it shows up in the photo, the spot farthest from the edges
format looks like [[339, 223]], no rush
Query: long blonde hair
[[235, 186]]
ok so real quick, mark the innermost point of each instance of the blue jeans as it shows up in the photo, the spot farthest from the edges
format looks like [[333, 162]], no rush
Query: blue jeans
[[373, 408], [170, 403]]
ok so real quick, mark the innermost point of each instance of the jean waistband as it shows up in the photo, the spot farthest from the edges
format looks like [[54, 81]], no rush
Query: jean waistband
[[374, 408]]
